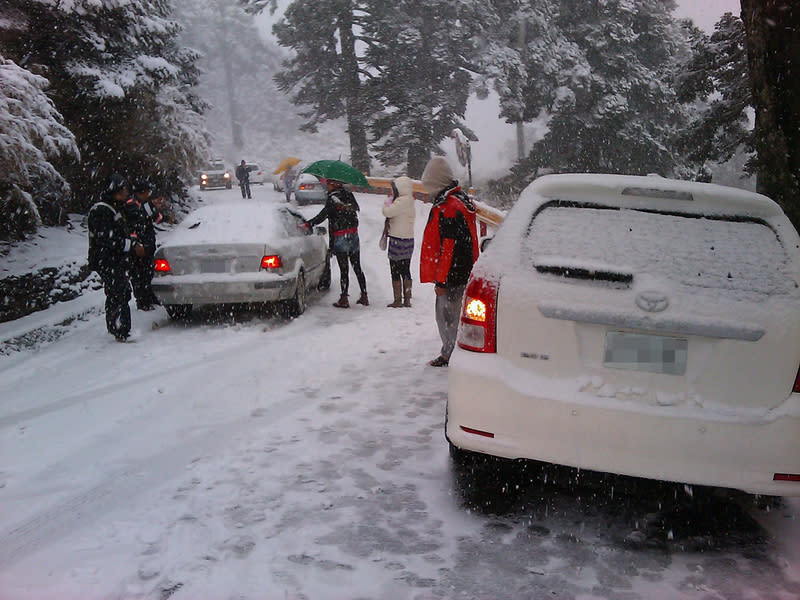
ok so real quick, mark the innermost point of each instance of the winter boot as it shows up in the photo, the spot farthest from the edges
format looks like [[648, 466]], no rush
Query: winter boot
[[407, 293], [363, 299], [343, 302], [397, 288]]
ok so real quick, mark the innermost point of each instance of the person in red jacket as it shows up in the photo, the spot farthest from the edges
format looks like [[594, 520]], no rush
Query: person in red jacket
[[449, 249]]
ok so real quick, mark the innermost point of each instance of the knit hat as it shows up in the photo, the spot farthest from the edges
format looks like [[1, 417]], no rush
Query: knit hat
[[437, 175]]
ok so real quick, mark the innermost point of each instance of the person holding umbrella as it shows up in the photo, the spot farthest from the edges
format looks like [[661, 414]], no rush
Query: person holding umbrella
[[341, 211]]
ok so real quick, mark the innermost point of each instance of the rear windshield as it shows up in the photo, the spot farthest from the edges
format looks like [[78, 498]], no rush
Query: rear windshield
[[216, 167], [613, 245]]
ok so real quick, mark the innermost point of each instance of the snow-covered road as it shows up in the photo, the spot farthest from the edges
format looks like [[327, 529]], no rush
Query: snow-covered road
[[249, 456]]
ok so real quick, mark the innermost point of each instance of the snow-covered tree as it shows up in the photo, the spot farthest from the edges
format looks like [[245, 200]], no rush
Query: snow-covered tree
[[32, 136], [119, 79], [419, 75], [716, 77], [326, 72]]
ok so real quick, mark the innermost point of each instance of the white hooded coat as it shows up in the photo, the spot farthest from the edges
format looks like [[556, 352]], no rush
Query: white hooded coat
[[401, 212]]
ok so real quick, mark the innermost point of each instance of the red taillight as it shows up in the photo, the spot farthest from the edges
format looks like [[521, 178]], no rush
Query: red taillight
[[795, 477], [478, 330], [271, 262], [796, 388], [162, 266], [487, 434]]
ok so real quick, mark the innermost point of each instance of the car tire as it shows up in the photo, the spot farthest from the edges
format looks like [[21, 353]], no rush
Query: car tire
[[178, 312], [229, 186], [297, 305]]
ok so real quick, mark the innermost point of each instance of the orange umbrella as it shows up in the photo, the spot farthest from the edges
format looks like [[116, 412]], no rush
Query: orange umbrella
[[286, 164]]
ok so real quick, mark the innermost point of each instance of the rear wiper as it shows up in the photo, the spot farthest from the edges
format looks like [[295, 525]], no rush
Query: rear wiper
[[586, 274], [195, 226]]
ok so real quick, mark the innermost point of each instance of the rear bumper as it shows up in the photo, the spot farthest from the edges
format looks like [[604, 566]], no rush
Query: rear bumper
[[170, 290], [528, 423]]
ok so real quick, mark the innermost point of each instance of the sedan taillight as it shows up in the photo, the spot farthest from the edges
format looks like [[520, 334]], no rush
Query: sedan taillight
[[271, 262], [478, 329], [162, 266], [796, 388]]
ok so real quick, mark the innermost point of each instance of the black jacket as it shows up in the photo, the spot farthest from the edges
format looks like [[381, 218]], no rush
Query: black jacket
[[110, 241], [140, 218], [242, 174], [341, 210]]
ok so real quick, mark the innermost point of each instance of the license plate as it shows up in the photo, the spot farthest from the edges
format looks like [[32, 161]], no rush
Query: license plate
[[215, 266], [649, 353]]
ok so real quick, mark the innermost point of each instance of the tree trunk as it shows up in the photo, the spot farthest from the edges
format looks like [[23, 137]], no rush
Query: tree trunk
[[356, 117], [233, 107], [773, 49]]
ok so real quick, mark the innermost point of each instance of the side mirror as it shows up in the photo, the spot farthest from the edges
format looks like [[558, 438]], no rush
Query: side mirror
[[321, 231], [485, 244]]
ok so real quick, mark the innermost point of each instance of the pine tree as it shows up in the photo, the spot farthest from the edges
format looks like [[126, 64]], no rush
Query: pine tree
[[418, 55], [716, 77], [122, 84], [32, 135], [773, 51], [326, 72]]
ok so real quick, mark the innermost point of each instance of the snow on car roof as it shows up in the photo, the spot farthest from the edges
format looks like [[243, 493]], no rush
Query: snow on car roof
[[652, 192], [230, 222]]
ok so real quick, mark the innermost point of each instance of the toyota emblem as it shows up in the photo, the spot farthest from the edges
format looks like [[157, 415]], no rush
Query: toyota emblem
[[652, 302]]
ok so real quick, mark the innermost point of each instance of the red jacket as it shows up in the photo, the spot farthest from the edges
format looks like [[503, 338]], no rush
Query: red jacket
[[450, 241]]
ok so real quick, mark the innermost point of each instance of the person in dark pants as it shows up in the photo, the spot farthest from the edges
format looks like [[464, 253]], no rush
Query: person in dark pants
[[449, 249], [341, 210], [243, 175], [111, 245], [142, 214]]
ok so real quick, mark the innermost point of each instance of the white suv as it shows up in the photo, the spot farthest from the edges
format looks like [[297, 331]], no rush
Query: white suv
[[638, 326]]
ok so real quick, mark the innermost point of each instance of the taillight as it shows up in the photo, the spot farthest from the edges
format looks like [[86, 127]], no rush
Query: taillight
[[271, 262], [162, 266], [478, 329], [796, 388]]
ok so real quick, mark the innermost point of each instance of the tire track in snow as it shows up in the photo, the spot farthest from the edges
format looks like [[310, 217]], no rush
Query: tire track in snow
[[119, 488]]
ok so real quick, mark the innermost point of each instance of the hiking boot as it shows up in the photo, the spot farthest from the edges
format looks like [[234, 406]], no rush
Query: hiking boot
[[398, 293], [343, 302], [363, 300]]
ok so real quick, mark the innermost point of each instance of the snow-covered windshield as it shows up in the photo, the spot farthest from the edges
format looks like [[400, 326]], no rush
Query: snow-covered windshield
[[713, 253]]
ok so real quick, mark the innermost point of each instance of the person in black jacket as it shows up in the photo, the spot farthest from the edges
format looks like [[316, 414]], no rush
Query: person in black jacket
[[142, 215], [341, 210], [111, 245], [243, 175]]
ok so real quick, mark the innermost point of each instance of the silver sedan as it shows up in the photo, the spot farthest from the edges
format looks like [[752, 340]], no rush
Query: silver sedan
[[240, 253]]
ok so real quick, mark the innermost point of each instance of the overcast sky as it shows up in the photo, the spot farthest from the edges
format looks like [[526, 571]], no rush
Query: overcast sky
[[707, 12]]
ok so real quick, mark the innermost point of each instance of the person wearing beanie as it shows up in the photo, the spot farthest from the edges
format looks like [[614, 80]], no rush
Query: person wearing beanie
[[112, 244], [400, 213], [449, 249]]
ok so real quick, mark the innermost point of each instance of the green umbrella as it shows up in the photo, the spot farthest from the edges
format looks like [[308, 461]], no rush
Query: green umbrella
[[337, 170]]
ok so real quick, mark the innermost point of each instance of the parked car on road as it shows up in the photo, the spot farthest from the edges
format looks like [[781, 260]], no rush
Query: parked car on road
[[215, 175], [240, 253], [637, 326], [256, 173], [309, 190]]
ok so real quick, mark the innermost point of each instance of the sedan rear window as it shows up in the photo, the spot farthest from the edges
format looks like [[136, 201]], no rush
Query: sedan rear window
[[621, 245]]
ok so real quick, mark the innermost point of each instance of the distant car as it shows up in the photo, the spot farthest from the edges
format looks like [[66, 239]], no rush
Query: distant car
[[216, 175], [240, 253], [637, 326], [309, 190], [256, 173]]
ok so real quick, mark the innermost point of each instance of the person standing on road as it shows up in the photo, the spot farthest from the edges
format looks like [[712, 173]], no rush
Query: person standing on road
[[400, 213], [111, 245], [288, 183], [143, 214], [243, 175], [449, 249], [341, 210]]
